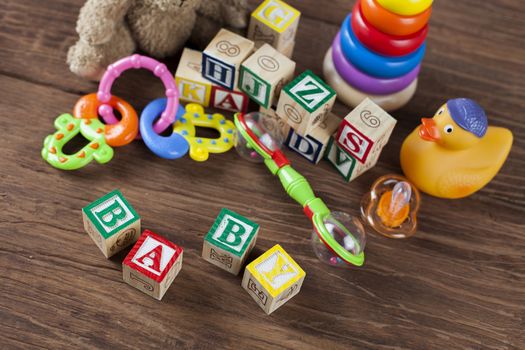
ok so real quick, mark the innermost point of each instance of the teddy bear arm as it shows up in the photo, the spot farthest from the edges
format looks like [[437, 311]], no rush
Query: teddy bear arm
[[233, 13]]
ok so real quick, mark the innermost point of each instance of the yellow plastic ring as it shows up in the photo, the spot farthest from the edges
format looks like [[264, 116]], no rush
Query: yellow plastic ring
[[405, 7]]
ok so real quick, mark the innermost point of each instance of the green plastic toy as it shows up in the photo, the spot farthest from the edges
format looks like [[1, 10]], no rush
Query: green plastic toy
[[338, 239]]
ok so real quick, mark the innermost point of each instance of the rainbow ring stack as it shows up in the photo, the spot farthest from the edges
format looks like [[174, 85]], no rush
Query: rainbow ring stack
[[378, 52]]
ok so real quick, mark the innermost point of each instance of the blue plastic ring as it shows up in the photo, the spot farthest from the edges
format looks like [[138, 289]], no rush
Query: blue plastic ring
[[372, 63], [170, 147]]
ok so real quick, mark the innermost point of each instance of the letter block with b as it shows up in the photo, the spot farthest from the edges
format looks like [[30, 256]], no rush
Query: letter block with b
[[273, 278], [229, 241], [111, 222]]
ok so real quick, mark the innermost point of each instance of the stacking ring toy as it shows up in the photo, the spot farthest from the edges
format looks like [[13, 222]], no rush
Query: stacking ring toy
[[170, 147], [375, 64], [390, 23], [352, 97], [382, 43], [200, 147], [364, 82], [119, 134], [135, 62], [67, 128], [405, 7]]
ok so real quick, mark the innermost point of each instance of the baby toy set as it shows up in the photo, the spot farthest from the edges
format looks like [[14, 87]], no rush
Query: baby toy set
[[372, 65]]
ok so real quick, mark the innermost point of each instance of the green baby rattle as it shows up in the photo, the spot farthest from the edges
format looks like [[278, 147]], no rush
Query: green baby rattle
[[338, 239]]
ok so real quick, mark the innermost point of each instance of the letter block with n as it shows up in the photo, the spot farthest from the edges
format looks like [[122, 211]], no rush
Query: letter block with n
[[273, 278], [111, 222], [229, 241]]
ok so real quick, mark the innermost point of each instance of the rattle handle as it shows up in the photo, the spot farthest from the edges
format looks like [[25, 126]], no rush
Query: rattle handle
[[296, 185]]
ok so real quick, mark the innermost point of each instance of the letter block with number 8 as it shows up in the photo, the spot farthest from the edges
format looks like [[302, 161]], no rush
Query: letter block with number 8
[[305, 102], [273, 278], [264, 74], [229, 241], [111, 222], [152, 264]]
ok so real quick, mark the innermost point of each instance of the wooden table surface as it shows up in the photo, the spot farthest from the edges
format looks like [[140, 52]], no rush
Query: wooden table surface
[[458, 283]]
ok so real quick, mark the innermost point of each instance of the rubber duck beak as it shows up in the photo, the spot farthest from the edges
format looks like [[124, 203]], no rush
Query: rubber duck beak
[[428, 131]]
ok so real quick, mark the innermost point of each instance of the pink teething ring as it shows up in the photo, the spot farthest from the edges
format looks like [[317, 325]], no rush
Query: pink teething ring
[[135, 62]]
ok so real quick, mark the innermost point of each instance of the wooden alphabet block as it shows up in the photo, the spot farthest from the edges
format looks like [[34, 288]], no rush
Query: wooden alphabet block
[[344, 163], [273, 278], [229, 241], [264, 74], [277, 122], [152, 264], [365, 131], [111, 222], [274, 22], [188, 77], [314, 145], [222, 58], [229, 100], [305, 102]]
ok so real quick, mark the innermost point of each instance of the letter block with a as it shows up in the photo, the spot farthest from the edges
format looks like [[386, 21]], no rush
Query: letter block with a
[[274, 22], [229, 100], [229, 241], [152, 264], [111, 222], [193, 88], [264, 74], [305, 102], [273, 278], [222, 58]]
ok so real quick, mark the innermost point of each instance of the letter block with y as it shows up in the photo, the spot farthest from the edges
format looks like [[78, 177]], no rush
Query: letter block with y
[[152, 264], [229, 241], [273, 278], [111, 222], [305, 102]]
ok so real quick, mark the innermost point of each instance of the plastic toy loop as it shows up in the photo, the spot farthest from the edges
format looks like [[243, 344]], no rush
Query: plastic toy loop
[[135, 62], [119, 134], [375, 64], [405, 7], [364, 82], [382, 43], [391, 23], [171, 147]]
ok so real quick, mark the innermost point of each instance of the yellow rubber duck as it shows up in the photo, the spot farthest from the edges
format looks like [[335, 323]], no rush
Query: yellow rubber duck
[[455, 153]]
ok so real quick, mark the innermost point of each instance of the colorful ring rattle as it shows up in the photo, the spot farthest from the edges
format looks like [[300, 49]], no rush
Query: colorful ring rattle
[[352, 97], [135, 62], [119, 134], [337, 238], [374, 64], [364, 82], [405, 7], [391, 23], [381, 43]]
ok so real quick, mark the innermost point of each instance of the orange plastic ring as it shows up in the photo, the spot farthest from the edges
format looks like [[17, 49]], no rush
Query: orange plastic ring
[[391, 23], [120, 134]]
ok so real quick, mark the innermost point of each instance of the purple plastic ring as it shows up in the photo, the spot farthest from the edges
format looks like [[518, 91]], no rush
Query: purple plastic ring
[[167, 118], [365, 82]]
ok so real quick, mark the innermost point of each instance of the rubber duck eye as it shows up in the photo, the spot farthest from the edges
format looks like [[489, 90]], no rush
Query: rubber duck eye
[[448, 129], [440, 112]]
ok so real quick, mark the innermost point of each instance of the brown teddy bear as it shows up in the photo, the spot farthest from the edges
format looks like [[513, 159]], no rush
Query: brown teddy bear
[[112, 29]]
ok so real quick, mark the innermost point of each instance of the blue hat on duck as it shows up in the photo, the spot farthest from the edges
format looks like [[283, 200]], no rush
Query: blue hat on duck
[[468, 115]]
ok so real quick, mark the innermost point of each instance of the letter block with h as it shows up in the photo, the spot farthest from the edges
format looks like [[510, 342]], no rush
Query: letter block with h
[[229, 241], [111, 222], [273, 278]]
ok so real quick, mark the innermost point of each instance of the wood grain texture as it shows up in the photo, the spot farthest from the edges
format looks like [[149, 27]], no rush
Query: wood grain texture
[[459, 283]]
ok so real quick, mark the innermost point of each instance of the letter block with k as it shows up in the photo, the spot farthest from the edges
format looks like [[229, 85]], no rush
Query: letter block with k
[[111, 222], [193, 88], [273, 278], [229, 241]]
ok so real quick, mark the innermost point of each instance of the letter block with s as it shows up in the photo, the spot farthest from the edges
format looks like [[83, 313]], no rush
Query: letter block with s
[[111, 222]]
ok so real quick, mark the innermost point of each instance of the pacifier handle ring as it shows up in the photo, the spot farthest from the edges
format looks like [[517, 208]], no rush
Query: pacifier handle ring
[[136, 62]]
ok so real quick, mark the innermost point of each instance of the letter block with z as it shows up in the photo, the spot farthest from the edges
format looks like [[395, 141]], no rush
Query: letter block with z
[[305, 102], [111, 222], [229, 241], [152, 264], [273, 278], [222, 58]]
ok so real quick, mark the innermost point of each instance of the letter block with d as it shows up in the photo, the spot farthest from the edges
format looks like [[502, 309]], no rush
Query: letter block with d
[[229, 241], [152, 264], [273, 278], [111, 222]]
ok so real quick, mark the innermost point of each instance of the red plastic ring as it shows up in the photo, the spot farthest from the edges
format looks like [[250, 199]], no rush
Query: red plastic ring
[[381, 43], [391, 23]]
